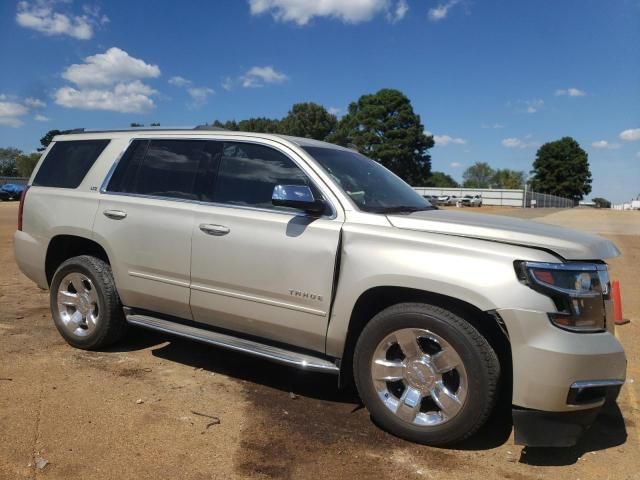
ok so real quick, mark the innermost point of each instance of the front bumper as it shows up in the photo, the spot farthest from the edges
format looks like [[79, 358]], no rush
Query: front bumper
[[561, 379]]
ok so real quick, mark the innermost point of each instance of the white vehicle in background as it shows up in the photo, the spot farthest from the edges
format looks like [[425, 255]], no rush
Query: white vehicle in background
[[471, 201], [447, 200]]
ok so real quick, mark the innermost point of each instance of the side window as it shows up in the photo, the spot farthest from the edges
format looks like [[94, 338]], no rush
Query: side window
[[124, 177], [167, 168], [67, 163], [248, 173]]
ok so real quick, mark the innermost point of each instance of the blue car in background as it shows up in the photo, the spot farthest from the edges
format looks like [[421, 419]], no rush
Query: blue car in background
[[11, 191]]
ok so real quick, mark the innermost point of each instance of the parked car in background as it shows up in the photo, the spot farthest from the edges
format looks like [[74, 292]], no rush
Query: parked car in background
[[432, 199], [13, 190], [4, 195], [447, 200], [471, 201]]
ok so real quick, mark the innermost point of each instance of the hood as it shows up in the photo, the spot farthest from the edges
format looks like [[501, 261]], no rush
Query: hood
[[569, 244]]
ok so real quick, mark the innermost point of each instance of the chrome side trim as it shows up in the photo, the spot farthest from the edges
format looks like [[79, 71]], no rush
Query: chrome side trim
[[251, 298], [156, 278], [268, 352]]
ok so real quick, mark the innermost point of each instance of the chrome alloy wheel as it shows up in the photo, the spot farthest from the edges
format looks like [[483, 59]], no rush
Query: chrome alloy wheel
[[419, 377], [78, 305]]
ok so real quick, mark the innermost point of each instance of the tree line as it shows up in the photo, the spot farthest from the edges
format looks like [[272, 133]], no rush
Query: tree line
[[383, 126]]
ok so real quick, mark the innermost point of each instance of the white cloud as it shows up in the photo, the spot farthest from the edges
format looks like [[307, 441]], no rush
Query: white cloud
[[10, 113], [444, 140], [348, 11], [630, 135], [397, 13], [41, 118], [259, 76], [114, 65], [199, 95], [132, 97], [570, 92], [495, 125], [527, 106], [334, 111], [179, 81], [40, 15], [109, 81], [227, 84], [604, 144], [455, 165], [532, 106], [513, 142], [442, 10], [34, 102]]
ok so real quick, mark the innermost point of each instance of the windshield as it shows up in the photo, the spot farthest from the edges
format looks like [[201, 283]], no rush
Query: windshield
[[372, 187]]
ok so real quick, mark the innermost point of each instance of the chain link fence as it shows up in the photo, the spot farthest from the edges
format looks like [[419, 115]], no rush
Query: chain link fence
[[16, 180], [501, 197]]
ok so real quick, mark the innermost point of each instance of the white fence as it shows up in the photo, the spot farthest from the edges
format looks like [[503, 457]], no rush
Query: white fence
[[17, 180], [503, 197]]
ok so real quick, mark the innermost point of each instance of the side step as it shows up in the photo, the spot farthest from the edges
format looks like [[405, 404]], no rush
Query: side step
[[268, 352]]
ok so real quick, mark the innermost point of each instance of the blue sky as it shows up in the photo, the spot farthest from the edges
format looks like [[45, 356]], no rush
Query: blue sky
[[492, 80]]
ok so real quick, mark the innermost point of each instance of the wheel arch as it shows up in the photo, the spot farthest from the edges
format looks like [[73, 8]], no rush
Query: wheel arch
[[376, 299], [63, 247]]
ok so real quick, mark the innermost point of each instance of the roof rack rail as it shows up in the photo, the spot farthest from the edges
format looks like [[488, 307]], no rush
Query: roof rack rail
[[209, 127]]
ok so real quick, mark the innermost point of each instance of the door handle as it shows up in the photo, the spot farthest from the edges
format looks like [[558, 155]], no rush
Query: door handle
[[215, 230], [115, 214]]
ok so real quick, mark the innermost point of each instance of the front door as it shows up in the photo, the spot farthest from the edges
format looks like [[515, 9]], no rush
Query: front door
[[258, 269]]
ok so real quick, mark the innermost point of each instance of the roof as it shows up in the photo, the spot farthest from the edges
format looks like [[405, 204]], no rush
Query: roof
[[194, 132]]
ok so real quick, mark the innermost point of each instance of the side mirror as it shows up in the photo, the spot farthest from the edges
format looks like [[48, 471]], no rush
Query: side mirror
[[297, 196]]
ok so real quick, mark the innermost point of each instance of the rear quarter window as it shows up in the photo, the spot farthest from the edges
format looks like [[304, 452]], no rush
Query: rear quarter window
[[66, 165]]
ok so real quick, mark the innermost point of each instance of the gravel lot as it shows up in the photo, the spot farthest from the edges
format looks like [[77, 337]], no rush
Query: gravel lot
[[142, 410]]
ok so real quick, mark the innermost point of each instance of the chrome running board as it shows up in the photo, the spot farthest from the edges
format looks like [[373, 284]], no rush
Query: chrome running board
[[268, 352]]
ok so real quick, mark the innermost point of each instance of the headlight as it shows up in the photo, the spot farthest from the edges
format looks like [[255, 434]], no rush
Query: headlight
[[577, 289]]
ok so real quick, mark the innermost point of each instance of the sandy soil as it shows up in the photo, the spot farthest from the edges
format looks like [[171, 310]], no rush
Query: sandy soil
[[139, 410]]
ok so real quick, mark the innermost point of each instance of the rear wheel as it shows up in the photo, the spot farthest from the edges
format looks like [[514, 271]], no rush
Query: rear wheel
[[85, 305], [425, 374]]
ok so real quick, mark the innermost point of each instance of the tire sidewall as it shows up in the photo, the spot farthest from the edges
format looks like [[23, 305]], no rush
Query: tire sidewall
[[478, 395]]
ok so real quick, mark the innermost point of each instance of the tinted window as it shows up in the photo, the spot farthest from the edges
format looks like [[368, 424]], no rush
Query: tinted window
[[124, 177], [248, 173], [168, 168], [372, 187], [68, 162]]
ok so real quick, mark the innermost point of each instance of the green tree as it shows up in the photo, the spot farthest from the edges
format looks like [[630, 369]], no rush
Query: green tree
[[48, 138], [478, 175], [308, 120], [384, 127], [25, 163], [8, 161], [256, 124], [562, 168], [441, 180], [506, 178], [136, 125], [601, 202]]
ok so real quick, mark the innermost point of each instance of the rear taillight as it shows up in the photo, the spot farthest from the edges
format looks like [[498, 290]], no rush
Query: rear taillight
[[23, 195]]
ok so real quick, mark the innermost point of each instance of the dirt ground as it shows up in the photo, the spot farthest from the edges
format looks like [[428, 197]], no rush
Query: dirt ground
[[142, 410]]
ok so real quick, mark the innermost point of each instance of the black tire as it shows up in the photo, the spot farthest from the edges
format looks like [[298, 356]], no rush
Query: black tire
[[111, 324], [482, 370]]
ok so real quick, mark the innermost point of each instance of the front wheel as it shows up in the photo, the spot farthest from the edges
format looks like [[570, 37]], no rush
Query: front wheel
[[425, 374]]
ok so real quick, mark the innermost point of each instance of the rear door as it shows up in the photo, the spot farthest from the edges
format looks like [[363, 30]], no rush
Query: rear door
[[145, 220], [259, 269]]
